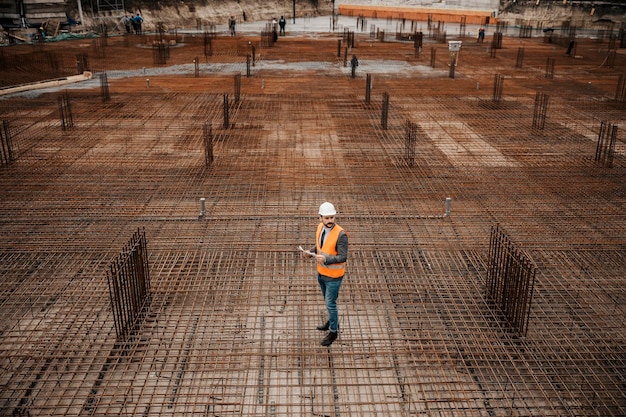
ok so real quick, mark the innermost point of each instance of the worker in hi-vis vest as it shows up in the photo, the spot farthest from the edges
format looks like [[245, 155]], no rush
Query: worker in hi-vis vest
[[330, 252]]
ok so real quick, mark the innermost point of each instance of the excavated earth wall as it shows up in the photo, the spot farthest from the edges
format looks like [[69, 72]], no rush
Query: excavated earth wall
[[218, 12]]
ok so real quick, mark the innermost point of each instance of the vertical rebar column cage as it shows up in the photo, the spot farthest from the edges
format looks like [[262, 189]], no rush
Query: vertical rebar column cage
[[129, 286], [160, 53], [605, 149], [541, 108], [6, 144], [411, 138], [385, 111], [104, 87], [496, 43], [160, 29], [237, 86], [498, 86], [207, 133], [510, 280], [65, 111], [526, 31], [226, 112], [620, 90], [208, 44]]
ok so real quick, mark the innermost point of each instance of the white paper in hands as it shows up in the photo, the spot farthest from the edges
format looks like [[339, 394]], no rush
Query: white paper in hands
[[308, 252]]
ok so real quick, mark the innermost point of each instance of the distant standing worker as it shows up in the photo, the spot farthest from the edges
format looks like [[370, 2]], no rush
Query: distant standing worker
[[331, 253], [137, 21], [231, 25], [127, 24], [354, 63], [282, 22], [481, 35]]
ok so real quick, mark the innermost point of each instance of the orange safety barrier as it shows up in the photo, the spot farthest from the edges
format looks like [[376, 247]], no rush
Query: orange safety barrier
[[478, 17]]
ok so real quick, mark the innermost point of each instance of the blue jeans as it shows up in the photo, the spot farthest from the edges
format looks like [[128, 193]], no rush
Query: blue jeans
[[330, 290]]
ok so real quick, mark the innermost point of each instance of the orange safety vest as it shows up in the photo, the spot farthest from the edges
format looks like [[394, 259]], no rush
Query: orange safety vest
[[329, 249]]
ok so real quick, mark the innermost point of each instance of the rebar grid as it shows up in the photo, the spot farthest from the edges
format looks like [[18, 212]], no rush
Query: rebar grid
[[230, 330]]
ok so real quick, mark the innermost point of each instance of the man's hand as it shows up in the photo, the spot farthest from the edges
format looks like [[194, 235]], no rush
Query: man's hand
[[321, 259], [305, 253]]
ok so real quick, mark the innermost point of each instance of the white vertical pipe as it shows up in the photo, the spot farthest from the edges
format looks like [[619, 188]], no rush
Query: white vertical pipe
[[202, 207]]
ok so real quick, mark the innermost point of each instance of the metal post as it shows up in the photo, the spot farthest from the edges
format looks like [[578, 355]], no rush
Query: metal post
[[452, 64], [202, 207], [226, 108], [385, 111], [207, 131]]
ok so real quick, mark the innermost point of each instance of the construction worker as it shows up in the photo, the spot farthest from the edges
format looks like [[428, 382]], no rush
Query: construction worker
[[354, 62], [282, 23], [41, 33], [127, 24], [137, 22], [481, 35], [231, 25], [330, 252]]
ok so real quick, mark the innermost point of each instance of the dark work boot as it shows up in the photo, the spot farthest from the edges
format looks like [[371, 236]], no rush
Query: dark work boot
[[324, 327], [329, 339]]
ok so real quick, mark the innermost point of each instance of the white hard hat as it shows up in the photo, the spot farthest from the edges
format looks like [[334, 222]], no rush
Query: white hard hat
[[327, 209]]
